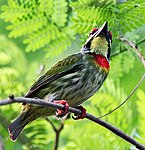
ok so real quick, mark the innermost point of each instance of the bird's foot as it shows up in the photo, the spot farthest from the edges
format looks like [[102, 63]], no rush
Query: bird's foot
[[62, 112], [82, 116]]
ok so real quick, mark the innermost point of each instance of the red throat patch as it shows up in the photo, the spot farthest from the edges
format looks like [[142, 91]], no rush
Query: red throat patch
[[101, 61]]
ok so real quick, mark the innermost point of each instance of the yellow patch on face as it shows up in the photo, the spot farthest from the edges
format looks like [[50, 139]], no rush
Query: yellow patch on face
[[99, 44]]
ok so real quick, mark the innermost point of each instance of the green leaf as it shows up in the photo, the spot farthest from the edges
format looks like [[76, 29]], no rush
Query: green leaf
[[59, 15], [27, 25], [58, 45], [41, 37]]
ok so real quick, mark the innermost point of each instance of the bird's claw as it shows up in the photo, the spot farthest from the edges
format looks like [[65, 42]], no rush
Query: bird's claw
[[82, 116], [62, 112]]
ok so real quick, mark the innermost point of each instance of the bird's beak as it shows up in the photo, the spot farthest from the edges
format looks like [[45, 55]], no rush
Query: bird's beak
[[102, 29]]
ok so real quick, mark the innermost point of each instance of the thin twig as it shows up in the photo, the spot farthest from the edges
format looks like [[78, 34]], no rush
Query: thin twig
[[135, 47], [118, 53], [51, 123], [140, 42], [57, 136], [75, 111], [132, 92], [57, 133], [57, 130]]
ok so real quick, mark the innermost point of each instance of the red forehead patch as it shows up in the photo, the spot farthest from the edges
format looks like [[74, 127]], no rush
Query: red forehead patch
[[94, 30]]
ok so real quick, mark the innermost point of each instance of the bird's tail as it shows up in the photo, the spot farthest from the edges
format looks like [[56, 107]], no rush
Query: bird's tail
[[18, 125]]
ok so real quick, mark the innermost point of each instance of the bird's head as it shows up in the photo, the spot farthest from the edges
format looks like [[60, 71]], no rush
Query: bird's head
[[99, 41]]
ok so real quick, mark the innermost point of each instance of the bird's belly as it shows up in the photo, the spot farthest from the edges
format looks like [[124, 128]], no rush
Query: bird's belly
[[77, 87]]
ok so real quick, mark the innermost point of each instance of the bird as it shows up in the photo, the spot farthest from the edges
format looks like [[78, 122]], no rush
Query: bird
[[70, 82]]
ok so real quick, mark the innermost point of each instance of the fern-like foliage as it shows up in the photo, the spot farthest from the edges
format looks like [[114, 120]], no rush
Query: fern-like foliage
[[120, 16], [89, 14], [39, 20], [10, 70], [37, 135], [58, 45], [42, 37], [59, 15], [22, 27]]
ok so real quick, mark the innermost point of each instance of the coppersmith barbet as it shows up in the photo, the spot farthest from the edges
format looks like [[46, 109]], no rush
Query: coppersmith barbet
[[74, 79]]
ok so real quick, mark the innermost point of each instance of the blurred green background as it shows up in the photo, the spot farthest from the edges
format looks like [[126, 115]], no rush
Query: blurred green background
[[35, 34]]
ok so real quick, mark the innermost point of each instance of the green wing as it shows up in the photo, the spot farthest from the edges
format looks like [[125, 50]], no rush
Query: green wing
[[68, 65]]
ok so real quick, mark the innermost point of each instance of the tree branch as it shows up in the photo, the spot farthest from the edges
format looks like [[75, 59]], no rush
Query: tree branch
[[135, 47], [57, 131], [76, 111], [52, 125], [57, 136]]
